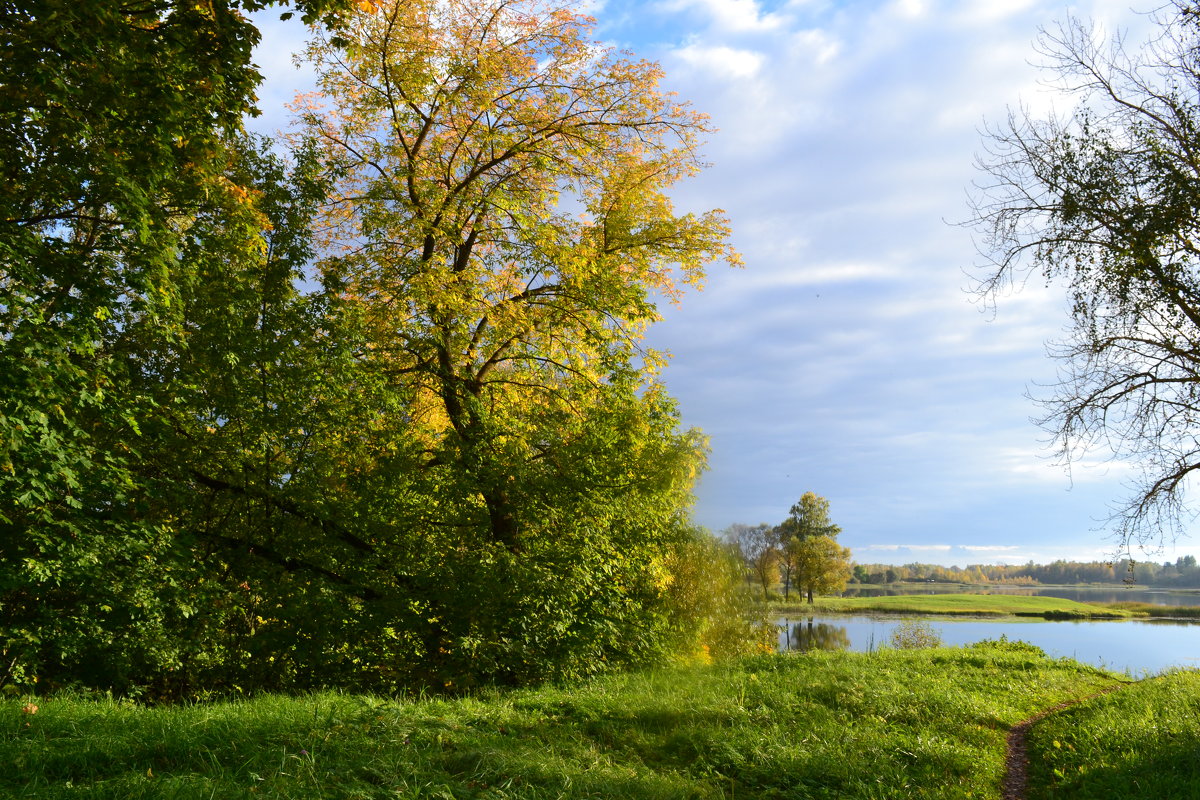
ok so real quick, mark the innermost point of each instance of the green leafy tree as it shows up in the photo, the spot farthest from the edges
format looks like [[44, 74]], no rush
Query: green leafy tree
[[716, 611], [113, 126], [438, 457], [499, 227], [268, 419], [1104, 199], [807, 518], [821, 565]]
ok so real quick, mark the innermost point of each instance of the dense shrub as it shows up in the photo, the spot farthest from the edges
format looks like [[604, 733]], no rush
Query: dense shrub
[[915, 635]]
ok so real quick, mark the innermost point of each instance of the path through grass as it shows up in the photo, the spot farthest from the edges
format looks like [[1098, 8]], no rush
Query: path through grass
[[1141, 743]]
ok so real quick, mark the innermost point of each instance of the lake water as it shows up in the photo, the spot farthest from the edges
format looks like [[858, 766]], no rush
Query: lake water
[[1133, 646]]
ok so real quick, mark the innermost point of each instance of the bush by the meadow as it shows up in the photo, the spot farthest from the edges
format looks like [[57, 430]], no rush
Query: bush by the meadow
[[915, 635]]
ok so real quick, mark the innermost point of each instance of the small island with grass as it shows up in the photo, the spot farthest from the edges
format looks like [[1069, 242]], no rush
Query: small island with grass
[[984, 605], [962, 604]]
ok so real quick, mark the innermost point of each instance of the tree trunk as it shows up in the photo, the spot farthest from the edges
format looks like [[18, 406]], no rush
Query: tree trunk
[[500, 515]]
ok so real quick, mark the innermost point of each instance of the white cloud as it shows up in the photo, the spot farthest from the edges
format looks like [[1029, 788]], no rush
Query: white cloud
[[977, 13], [817, 46], [282, 77], [722, 61], [911, 9], [732, 16], [805, 274], [936, 548], [964, 555], [988, 548], [1041, 464]]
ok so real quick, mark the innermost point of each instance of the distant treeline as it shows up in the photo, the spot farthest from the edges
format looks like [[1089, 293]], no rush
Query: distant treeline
[[1182, 572]]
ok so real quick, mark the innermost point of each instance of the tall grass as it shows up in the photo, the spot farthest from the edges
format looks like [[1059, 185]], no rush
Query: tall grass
[[1141, 743], [892, 724]]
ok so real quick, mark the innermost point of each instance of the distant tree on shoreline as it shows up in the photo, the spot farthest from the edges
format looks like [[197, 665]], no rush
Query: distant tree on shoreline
[[759, 549], [801, 550], [822, 566], [1183, 572], [807, 519]]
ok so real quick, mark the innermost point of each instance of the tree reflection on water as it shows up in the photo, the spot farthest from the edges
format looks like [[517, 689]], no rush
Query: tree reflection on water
[[809, 635]]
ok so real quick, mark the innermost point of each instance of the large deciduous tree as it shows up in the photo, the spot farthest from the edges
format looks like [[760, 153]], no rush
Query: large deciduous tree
[[820, 565], [1106, 200], [758, 547], [114, 118], [807, 518], [501, 228], [377, 419]]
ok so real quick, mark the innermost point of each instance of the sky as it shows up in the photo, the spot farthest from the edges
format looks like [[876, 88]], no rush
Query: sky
[[850, 356]]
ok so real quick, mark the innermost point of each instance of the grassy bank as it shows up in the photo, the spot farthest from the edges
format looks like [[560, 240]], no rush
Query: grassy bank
[[919, 724], [963, 604], [1137, 744], [1155, 611]]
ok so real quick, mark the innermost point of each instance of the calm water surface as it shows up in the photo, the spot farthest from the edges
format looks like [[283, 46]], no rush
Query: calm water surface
[[1135, 647]]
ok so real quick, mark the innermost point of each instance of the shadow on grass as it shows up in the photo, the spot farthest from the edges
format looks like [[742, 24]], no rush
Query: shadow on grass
[[1139, 743], [1162, 768]]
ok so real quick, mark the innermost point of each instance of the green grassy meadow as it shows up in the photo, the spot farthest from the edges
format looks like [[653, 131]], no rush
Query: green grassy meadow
[[889, 724], [1140, 742], [1151, 610], [965, 604]]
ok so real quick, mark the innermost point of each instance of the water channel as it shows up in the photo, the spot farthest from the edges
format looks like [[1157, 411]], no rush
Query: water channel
[[1134, 646], [1138, 647]]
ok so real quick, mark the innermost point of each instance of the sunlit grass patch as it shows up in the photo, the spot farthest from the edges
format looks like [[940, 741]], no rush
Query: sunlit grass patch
[[967, 604], [1152, 610], [928, 723]]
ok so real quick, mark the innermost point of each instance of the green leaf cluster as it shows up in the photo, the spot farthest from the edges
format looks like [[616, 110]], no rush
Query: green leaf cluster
[[237, 455]]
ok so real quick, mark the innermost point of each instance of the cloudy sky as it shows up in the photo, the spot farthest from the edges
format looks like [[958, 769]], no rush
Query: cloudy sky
[[849, 357]]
